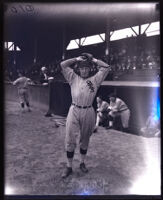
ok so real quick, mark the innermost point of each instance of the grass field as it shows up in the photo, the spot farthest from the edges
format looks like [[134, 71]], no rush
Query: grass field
[[118, 163]]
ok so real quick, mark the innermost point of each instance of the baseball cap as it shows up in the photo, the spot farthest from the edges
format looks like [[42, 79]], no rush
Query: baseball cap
[[84, 63]]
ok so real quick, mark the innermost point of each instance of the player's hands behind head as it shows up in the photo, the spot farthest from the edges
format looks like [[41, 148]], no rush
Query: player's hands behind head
[[80, 58], [84, 57], [87, 56]]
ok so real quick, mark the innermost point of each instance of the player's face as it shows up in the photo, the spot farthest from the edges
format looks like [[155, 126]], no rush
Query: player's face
[[98, 100], [84, 72], [112, 99]]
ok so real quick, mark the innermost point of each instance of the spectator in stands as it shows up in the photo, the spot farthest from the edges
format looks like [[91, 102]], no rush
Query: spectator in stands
[[44, 76], [102, 112], [152, 124], [117, 108]]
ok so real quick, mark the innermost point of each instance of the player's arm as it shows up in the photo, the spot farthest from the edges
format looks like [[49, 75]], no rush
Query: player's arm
[[67, 63], [103, 107], [100, 63], [16, 82], [29, 81], [67, 71]]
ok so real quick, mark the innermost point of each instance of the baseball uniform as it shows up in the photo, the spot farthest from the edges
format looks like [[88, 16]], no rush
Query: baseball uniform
[[119, 108], [81, 117], [22, 85], [102, 112]]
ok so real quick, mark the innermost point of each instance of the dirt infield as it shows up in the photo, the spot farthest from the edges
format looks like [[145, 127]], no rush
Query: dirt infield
[[35, 158]]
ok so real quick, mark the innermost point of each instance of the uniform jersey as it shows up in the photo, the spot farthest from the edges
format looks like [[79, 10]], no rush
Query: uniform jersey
[[119, 108], [22, 82], [118, 105], [83, 91], [102, 107], [102, 112]]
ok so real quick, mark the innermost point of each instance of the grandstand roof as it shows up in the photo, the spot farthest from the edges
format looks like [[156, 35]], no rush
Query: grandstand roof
[[24, 22]]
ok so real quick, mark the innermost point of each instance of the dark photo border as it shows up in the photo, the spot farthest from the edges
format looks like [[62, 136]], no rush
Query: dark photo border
[[2, 104]]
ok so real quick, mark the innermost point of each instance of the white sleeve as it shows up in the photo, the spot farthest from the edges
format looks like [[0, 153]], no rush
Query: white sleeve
[[69, 74], [101, 75], [67, 71], [16, 81]]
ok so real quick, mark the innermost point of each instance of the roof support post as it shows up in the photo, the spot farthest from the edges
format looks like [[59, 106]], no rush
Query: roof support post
[[107, 40], [14, 61], [141, 38], [35, 50], [63, 42]]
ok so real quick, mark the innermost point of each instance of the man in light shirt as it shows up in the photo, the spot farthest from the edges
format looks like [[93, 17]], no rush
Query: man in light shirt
[[117, 108]]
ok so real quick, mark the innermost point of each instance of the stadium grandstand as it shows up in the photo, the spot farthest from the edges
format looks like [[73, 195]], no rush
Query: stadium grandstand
[[129, 42]]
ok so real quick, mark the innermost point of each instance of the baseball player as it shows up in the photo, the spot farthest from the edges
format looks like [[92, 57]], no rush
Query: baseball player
[[102, 111], [151, 126], [81, 117], [118, 107], [22, 84]]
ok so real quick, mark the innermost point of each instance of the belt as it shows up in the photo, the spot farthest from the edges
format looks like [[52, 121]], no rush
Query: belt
[[123, 110], [83, 107]]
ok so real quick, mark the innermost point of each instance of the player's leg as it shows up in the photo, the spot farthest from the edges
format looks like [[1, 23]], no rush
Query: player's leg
[[87, 127], [125, 116], [26, 98], [72, 130], [98, 120], [111, 121], [21, 99]]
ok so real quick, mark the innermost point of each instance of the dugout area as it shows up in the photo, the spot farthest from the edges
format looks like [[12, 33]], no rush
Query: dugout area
[[140, 98]]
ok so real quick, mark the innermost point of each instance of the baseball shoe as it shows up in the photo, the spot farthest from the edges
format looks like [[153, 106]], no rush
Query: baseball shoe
[[83, 168], [56, 125], [48, 115], [95, 129], [67, 172], [109, 127]]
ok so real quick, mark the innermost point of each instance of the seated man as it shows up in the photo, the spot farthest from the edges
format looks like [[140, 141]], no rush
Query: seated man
[[151, 128], [118, 108], [102, 112]]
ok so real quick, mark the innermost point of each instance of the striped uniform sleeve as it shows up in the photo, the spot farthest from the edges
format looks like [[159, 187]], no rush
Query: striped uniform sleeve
[[68, 72], [102, 73]]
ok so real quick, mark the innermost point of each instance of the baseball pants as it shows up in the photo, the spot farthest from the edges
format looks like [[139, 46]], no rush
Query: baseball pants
[[79, 126], [125, 116], [23, 95]]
